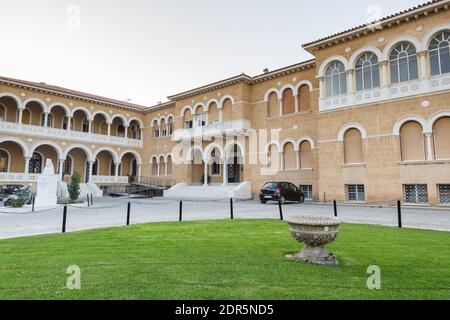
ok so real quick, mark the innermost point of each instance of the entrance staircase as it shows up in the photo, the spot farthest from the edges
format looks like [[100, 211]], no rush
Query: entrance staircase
[[85, 189], [181, 191]]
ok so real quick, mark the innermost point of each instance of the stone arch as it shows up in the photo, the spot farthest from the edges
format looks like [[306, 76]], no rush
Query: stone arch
[[86, 111], [398, 125], [26, 151], [58, 104], [355, 56], [86, 150], [349, 126], [113, 152], [103, 113], [326, 63], [60, 153], [134, 153], [269, 92], [394, 42]]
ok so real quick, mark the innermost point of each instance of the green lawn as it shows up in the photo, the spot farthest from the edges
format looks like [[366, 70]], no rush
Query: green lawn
[[240, 259]]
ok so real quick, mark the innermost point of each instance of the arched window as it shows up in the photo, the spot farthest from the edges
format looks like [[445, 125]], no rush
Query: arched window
[[170, 126], [135, 131], [440, 54], [95, 168], [120, 131], [288, 102], [162, 166], [2, 113], [85, 126], [215, 164], [154, 167], [412, 142], [290, 157], [441, 131], [68, 166], [367, 72], [403, 62], [163, 128], [353, 147], [35, 163], [304, 98], [336, 79], [227, 110], [273, 105], [306, 157], [213, 113], [49, 120], [169, 165], [112, 168], [4, 161]]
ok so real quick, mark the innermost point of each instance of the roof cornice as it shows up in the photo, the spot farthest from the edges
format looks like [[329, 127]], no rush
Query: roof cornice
[[284, 71], [70, 94], [387, 22], [213, 86]]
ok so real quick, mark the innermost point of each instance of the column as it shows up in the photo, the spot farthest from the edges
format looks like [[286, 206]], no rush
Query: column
[[221, 115], [384, 80], [225, 171], [20, 115], [297, 109], [423, 65], [61, 168], [206, 174], [281, 157], [91, 165], [139, 170], [350, 86], [141, 137], [297, 158], [46, 119], [280, 107], [321, 92], [69, 123], [126, 131], [116, 174], [90, 126], [109, 129], [429, 143], [27, 165]]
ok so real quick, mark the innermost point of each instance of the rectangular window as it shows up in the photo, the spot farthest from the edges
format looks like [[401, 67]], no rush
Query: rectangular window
[[415, 193], [307, 191], [156, 134], [444, 193], [355, 192], [188, 124], [215, 169], [170, 129]]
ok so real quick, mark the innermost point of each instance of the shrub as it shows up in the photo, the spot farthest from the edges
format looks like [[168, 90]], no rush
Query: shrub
[[17, 203], [74, 186]]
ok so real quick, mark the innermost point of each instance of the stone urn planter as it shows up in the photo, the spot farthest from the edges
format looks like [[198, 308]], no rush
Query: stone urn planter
[[315, 233]]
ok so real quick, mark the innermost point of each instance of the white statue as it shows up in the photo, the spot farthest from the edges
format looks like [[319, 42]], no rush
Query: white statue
[[47, 187]]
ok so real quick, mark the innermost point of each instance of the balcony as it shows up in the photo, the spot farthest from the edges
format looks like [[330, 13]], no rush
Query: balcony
[[393, 91], [212, 130], [30, 130]]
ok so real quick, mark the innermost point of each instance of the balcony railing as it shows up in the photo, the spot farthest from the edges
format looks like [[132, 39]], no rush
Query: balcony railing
[[18, 177], [30, 130], [393, 91], [213, 129], [110, 179]]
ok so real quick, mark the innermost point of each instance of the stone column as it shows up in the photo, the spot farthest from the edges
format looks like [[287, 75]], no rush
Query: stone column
[[297, 109], [139, 170], [423, 65], [20, 115], [350, 86], [27, 165], [384, 78], [116, 174], [46, 119], [297, 159], [225, 172], [109, 129], [206, 174], [69, 123], [91, 165], [429, 144], [280, 106], [90, 126], [61, 168], [126, 131], [221, 115]]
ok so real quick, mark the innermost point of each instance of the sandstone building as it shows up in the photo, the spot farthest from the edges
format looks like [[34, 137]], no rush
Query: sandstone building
[[367, 120]]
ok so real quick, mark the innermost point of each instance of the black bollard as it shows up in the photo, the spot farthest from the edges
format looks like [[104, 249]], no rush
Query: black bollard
[[33, 199], [335, 208], [128, 213], [280, 206], [399, 211], [92, 199], [64, 219], [180, 218], [231, 208], [88, 202]]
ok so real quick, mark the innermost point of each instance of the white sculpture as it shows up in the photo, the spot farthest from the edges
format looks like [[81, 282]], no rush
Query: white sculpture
[[47, 187]]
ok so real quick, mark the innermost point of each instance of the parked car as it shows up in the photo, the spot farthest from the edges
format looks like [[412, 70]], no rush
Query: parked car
[[281, 191], [23, 192], [9, 189]]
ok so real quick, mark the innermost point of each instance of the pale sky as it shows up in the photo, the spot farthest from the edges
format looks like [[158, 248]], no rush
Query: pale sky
[[146, 50]]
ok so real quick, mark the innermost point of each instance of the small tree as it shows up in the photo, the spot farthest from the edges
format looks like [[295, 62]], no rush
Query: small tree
[[74, 186]]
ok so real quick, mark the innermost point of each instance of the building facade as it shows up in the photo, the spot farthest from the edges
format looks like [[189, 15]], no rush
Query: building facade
[[367, 120]]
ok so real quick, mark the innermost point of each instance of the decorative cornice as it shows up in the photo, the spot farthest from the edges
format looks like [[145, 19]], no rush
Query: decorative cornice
[[388, 22]]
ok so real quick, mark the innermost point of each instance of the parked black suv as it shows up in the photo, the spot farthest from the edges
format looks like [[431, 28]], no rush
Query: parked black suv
[[281, 191]]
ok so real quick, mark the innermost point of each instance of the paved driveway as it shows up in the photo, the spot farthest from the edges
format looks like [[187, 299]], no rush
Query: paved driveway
[[108, 212]]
